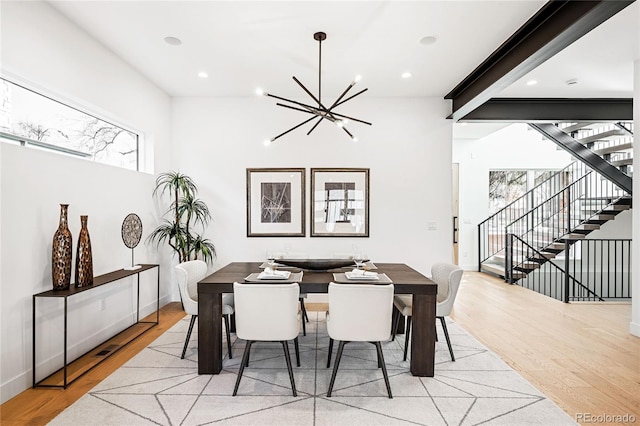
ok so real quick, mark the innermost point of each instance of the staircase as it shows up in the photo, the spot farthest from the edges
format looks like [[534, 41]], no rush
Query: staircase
[[531, 231]]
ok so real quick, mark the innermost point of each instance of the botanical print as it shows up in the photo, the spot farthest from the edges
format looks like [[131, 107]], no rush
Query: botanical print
[[275, 204]]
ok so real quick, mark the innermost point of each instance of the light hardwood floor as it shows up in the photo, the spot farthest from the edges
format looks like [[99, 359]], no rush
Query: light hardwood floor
[[580, 355]]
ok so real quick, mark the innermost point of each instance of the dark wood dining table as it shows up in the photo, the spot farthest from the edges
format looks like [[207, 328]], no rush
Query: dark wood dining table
[[406, 280]]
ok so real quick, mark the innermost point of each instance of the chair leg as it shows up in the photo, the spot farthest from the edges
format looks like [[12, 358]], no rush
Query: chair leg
[[304, 309], [226, 325], [384, 368], [335, 368], [407, 336], [330, 350], [287, 356], [394, 327], [446, 336], [396, 323], [297, 348], [378, 357], [186, 342], [245, 361]]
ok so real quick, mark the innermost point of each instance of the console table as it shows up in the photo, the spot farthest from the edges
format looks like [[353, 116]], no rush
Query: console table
[[71, 371]]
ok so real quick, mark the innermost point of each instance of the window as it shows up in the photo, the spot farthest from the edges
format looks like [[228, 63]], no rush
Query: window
[[505, 186], [32, 119]]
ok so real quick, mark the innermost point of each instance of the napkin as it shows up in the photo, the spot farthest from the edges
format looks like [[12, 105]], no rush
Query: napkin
[[362, 274], [269, 273]]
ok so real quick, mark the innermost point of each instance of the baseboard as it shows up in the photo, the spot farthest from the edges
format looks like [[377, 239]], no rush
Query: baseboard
[[634, 328], [23, 381]]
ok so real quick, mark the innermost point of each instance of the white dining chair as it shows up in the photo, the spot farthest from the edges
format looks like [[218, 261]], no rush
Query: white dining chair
[[267, 312], [188, 274], [447, 276], [359, 313], [294, 255]]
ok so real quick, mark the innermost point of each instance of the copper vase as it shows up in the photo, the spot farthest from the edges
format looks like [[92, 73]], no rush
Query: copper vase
[[84, 259], [61, 253]]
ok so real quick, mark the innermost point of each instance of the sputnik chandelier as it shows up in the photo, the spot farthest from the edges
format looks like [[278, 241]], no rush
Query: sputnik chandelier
[[319, 111]]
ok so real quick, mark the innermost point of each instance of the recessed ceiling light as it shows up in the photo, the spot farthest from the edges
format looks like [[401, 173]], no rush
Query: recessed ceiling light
[[203, 74], [532, 82], [429, 39], [406, 74], [572, 82], [173, 41]]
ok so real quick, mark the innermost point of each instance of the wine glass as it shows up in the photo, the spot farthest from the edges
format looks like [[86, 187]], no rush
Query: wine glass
[[358, 258], [271, 260]]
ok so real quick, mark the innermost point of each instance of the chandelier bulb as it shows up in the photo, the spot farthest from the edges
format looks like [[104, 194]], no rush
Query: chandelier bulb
[[354, 139], [267, 142], [261, 92], [357, 79]]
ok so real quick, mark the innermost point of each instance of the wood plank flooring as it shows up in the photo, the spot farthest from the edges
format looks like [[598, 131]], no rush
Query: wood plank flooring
[[38, 406], [580, 355]]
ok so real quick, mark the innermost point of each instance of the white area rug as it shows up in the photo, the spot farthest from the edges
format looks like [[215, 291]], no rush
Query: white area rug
[[158, 388]]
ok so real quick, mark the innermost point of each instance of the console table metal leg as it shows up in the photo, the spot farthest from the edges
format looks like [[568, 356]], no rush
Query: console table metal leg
[[65, 342], [33, 346], [158, 299], [138, 300]]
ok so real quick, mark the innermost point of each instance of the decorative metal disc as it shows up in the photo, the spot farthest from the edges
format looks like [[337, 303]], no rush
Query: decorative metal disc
[[131, 230]]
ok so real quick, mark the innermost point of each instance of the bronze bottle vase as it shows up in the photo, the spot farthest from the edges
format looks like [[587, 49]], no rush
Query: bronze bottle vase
[[61, 253], [84, 258]]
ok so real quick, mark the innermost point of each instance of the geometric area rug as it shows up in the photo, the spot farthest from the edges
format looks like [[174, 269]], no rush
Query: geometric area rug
[[156, 387]]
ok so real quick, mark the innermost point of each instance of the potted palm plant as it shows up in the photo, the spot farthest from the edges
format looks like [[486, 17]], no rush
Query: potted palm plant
[[184, 217]]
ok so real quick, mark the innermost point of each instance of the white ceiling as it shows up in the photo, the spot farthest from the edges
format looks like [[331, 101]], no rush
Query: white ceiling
[[243, 45]]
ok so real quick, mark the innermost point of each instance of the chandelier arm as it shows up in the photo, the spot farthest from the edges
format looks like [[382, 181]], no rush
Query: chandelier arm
[[348, 132], [350, 118], [293, 102], [315, 125], [320, 106], [308, 110], [350, 97], [334, 104], [293, 128]]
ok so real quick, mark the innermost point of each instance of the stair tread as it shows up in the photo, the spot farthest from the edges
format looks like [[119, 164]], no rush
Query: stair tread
[[614, 148]]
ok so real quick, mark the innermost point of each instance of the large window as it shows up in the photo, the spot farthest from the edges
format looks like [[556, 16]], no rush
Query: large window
[[32, 119], [505, 186]]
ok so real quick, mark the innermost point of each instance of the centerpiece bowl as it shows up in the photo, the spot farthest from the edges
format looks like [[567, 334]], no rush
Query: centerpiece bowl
[[316, 264]]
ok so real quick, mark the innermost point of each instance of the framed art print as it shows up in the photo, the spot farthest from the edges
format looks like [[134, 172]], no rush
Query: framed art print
[[275, 202], [339, 202]]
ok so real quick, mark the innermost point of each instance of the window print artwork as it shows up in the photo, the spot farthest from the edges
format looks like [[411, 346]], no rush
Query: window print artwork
[[276, 202], [339, 202], [340, 199]]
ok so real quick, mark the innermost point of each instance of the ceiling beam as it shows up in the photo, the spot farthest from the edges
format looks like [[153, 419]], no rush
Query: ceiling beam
[[555, 26], [552, 110]]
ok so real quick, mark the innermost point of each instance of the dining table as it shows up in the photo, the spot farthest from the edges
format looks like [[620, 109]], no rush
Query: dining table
[[406, 280]]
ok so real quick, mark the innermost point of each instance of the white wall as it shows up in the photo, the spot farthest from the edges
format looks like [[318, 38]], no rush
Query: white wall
[[46, 52], [514, 147], [408, 151]]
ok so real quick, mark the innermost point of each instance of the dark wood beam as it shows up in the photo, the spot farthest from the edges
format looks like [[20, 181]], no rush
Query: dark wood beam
[[552, 110], [555, 26]]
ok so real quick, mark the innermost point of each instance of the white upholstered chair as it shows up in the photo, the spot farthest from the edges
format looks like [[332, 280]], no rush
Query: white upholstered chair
[[294, 255], [188, 274], [267, 312], [359, 313], [448, 277]]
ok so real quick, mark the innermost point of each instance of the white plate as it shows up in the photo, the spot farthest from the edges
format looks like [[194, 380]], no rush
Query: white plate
[[281, 275], [367, 276]]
